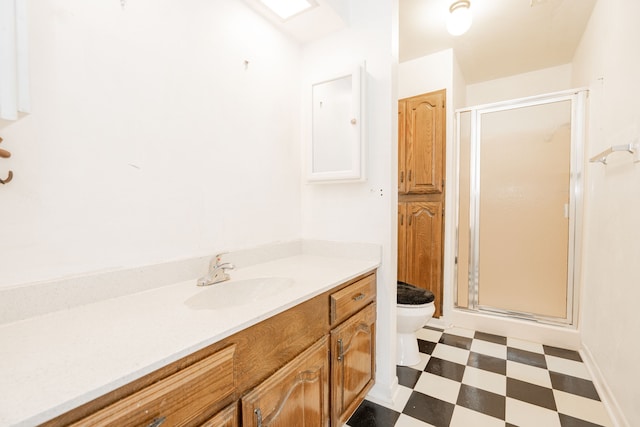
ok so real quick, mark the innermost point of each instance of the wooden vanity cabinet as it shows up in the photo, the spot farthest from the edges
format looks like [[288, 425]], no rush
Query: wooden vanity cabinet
[[310, 365], [353, 316]]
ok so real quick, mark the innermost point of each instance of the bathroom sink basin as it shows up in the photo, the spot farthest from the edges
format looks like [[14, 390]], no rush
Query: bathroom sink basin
[[235, 293]]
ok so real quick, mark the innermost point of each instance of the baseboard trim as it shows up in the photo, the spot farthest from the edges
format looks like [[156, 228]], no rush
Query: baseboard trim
[[439, 323], [557, 336], [384, 394], [606, 396]]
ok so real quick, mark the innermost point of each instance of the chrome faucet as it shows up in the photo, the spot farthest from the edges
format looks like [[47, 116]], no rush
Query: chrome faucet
[[217, 272]]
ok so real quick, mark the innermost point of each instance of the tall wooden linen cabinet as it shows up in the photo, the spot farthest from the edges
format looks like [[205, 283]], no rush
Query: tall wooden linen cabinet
[[421, 191]]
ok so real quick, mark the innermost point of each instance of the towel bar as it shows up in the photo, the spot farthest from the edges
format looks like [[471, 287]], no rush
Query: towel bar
[[602, 157]]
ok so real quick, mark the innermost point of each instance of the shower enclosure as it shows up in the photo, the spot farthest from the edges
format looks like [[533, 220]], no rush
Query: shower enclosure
[[519, 206]]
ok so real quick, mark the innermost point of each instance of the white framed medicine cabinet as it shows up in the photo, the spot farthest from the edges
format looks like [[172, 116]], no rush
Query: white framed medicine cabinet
[[336, 151]]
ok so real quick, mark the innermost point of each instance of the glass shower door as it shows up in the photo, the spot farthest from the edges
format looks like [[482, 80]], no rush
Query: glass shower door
[[525, 162], [520, 207]]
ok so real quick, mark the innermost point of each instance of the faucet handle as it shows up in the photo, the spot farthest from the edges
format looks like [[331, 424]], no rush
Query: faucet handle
[[217, 260]]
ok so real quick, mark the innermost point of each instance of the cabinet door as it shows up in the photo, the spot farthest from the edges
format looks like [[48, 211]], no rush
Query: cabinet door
[[352, 363], [402, 114], [296, 395], [424, 247], [228, 417], [425, 140], [402, 242]]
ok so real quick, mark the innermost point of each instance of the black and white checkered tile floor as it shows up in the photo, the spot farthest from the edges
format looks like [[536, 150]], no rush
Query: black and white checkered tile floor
[[472, 379]]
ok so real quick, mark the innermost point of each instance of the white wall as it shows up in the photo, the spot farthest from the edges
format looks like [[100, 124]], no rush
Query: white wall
[[426, 74], [459, 85], [149, 140], [547, 80], [608, 63], [363, 211]]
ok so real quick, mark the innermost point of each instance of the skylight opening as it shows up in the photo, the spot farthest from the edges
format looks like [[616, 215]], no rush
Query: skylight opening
[[286, 9]]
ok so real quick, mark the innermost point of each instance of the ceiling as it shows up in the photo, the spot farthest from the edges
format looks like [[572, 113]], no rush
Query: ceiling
[[507, 37], [325, 17]]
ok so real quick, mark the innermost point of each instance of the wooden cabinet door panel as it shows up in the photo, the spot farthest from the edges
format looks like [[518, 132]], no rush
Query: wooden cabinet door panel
[[352, 363], [425, 143], [228, 417], [424, 247], [296, 395]]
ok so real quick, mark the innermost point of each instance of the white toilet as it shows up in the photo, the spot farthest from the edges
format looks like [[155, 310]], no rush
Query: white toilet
[[415, 307]]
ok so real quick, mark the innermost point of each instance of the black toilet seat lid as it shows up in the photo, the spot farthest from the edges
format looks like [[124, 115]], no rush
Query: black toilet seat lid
[[412, 295]]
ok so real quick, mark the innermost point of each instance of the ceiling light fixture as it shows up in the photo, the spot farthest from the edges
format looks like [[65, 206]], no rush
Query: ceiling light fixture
[[285, 9], [460, 18]]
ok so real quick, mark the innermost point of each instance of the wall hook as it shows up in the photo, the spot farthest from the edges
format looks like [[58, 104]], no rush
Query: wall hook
[[7, 179], [4, 154]]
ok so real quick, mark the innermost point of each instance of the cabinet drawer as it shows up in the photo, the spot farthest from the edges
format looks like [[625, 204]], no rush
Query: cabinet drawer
[[176, 400], [349, 300]]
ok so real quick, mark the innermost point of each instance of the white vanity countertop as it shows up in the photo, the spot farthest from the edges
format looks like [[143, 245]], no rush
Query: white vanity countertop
[[55, 362]]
